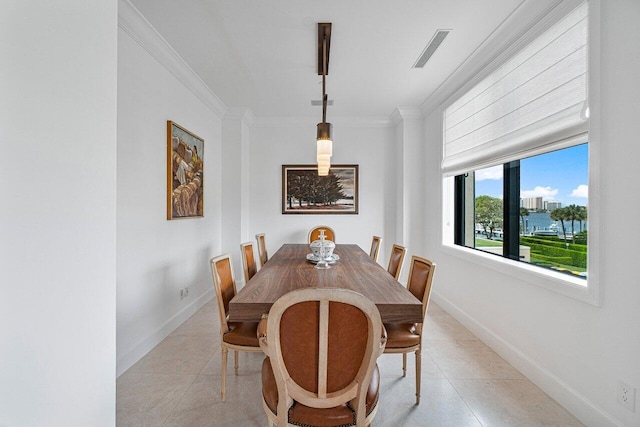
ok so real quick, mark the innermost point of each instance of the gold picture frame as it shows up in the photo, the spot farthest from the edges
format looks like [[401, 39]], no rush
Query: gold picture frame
[[185, 173]]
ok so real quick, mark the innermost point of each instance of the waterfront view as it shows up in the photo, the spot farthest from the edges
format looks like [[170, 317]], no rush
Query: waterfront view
[[553, 218]]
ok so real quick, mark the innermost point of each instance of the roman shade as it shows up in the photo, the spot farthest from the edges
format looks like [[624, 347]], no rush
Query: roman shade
[[534, 103]]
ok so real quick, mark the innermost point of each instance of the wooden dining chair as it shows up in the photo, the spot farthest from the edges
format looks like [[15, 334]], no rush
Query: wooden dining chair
[[237, 336], [317, 372], [375, 248], [407, 337], [248, 261], [314, 233], [262, 249], [396, 259]]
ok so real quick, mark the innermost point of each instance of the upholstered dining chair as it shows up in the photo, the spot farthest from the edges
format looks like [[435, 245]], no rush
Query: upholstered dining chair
[[317, 372], [262, 249], [314, 233], [237, 336], [375, 248], [407, 337], [396, 259], [248, 261]]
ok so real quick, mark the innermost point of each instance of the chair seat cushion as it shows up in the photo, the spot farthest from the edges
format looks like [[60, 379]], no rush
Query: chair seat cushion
[[242, 333], [303, 415], [401, 335]]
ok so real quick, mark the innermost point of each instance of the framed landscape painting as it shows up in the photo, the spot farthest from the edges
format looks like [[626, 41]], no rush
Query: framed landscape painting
[[185, 173], [304, 192]]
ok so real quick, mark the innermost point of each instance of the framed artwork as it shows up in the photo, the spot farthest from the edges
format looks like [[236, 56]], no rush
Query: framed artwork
[[304, 192], [185, 170]]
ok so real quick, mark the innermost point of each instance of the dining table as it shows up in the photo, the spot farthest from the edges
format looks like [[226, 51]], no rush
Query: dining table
[[289, 269]]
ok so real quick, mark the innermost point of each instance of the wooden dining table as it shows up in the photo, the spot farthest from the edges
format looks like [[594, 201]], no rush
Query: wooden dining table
[[288, 269]]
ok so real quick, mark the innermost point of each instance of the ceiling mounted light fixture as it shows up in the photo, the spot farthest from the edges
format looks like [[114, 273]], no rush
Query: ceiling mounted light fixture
[[324, 139]]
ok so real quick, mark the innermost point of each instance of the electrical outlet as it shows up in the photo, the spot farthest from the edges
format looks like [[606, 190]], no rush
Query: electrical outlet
[[627, 396], [184, 292]]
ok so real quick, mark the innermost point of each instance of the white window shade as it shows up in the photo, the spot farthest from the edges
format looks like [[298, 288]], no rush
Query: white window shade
[[533, 103]]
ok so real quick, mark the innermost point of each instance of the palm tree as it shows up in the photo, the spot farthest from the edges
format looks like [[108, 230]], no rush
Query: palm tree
[[582, 215], [561, 215], [523, 212], [572, 215]]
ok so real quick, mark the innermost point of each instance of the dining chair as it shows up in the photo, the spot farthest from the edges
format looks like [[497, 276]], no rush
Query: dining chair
[[407, 337], [396, 259], [237, 336], [262, 249], [314, 233], [375, 248], [248, 261], [317, 372]]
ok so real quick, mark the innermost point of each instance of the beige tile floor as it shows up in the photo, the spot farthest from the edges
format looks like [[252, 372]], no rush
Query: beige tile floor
[[464, 383]]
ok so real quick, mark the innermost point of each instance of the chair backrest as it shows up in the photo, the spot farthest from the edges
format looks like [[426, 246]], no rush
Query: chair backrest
[[314, 233], [396, 260], [323, 344], [225, 285], [262, 249], [375, 247], [420, 278], [248, 261]]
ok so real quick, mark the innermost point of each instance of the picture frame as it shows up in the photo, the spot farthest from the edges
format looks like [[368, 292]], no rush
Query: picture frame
[[304, 192], [185, 173]]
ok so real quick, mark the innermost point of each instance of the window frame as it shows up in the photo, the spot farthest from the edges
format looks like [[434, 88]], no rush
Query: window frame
[[589, 290]]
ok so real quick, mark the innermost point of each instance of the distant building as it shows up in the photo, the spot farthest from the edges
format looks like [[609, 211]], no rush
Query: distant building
[[532, 203], [552, 205]]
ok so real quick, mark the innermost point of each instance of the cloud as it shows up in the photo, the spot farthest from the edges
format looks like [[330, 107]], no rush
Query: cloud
[[493, 173], [581, 191], [544, 192]]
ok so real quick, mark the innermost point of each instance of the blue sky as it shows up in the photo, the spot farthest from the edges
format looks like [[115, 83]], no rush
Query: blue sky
[[557, 176]]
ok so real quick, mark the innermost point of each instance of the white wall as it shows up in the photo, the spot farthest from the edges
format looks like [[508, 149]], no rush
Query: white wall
[[156, 258], [369, 144], [575, 351], [57, 215]]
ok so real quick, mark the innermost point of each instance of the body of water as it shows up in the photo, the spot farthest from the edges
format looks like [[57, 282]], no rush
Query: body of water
[[542, 221]]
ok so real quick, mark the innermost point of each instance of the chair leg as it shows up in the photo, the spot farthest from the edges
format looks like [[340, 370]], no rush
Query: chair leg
[[418, 373], [404, 364], [235, 361], [224, 372]]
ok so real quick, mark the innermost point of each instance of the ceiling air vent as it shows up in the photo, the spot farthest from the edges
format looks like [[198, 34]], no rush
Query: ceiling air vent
[[428, 51]]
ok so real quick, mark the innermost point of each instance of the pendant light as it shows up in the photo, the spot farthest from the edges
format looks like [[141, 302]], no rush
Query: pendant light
[[324, 140]]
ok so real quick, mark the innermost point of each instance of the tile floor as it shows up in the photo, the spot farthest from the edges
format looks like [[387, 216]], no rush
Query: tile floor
[[464, 383]]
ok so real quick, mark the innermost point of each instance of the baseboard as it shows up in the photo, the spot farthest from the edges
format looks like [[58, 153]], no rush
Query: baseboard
[[147, 344], [578, 405]]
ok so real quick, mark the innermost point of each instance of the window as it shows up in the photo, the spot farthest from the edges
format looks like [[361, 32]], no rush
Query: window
[[516, 160], [531, 210]]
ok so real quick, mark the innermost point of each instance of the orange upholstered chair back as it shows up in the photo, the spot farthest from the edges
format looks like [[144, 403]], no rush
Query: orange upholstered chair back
[[329, 234], [323, 344], [396, 260], [225, 285], [420, 279]]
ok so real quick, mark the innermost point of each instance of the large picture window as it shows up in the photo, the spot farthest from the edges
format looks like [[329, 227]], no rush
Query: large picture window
[[516, 154], [532, 210]]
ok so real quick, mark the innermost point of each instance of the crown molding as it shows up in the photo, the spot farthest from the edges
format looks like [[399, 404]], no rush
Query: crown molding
[[132, 22], [241, 114], [401, 114]]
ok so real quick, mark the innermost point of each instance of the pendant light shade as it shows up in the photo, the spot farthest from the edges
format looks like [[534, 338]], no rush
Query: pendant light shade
[[324, 140]]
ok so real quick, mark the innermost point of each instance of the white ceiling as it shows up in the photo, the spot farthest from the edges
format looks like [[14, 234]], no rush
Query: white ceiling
[[261, 54]]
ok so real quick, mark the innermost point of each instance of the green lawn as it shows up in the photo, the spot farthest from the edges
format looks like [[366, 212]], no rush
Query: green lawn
[[480, 242], [485, 243]]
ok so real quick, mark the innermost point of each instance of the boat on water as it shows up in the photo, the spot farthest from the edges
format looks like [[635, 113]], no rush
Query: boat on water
[[551, 231]]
